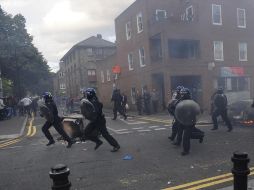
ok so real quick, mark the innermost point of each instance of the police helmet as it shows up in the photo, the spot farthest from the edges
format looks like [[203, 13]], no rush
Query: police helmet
[[185, 93], [178, 88], [220, 90], [47, 96], [90, 93]]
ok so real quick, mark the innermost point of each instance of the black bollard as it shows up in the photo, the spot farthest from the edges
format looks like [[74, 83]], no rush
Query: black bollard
[[59, 175], [240, 170]]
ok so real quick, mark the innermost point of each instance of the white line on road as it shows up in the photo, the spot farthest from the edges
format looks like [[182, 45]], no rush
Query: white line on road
[[125, 132], [167, 125], [12, 147], [159, 129], [119, 130], [138, 128], [151, 127], [144, 130]]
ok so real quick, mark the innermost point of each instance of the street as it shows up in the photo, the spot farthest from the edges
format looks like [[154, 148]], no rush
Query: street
[[154, 163]]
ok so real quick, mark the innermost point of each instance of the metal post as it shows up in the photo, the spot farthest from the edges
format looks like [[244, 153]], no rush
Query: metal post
[[59, 174], [240, 170]]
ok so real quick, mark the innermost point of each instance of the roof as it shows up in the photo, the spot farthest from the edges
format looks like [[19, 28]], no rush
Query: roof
[[92, 42]]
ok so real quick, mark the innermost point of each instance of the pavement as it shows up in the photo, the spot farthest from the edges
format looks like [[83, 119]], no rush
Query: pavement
[[203, 119], [12, 128]]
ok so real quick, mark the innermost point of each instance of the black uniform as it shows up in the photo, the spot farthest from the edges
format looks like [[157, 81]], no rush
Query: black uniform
[[56, 124], [171, 110], [220, 109], [117, 99], [99, 124]]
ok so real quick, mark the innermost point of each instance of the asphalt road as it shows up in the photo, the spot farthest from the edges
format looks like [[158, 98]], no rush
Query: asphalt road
[[155, 164]]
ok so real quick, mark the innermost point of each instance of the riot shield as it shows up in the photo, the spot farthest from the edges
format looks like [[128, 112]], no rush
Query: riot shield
[[186, 112]]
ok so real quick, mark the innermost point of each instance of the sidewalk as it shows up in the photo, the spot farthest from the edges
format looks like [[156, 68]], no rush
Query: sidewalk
[[203, 119], [13, 127]]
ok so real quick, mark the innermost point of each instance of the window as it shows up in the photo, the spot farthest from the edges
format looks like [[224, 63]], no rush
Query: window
[[216, 14], [234, 84], [133, 95], [242, 51], [218, 50], [139, 22], [62, 86], [128, 30], [184, 49], [91, 72], [241, 18], [108, 75], [102, 77], [142, 57], [89, 51], [161, 14], [189, 13], [130, 61]]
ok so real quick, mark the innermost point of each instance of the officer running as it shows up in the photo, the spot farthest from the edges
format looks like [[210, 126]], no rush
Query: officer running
[[220, 109], [171, 109], [99, 123], [56, 121]]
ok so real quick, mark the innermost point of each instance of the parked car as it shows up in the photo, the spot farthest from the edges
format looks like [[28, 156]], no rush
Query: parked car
[[242, 112]]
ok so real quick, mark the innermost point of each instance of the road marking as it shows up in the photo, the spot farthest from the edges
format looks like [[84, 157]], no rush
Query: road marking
[[206, 182], [125, 132], [119, 130], [151, 127], [167, 125], [138, 128], [10, 143], [34, 131], [160, 129], [156, 120], [144, 130]]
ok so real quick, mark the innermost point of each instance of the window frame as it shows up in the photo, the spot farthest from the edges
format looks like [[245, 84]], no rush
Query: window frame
[[128, 30], [108, 76], [131, 68], [186, 13], [160, 10], [139, 15], [245, 49], [102, 77], [141, 56], [215, 23], [238, 18], [222, 49]]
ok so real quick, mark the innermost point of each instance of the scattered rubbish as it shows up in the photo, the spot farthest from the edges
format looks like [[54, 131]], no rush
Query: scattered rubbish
[[169, 182], [127, 157], [219, 170], [85, 149], [192, 167]]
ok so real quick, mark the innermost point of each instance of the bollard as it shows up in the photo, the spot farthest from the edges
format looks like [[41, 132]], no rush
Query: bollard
[[240, 170], [59, 175]]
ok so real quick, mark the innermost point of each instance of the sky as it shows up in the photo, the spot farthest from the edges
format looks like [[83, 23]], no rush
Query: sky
[[57, 25]]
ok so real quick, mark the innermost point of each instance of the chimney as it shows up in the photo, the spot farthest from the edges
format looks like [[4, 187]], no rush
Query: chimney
[[99, 36]]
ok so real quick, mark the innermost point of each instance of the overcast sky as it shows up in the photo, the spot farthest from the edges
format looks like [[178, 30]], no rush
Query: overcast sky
[[57, 25]]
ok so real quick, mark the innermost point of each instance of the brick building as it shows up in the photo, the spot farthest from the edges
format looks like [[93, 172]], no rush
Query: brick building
[[79, 64], [198, 44]]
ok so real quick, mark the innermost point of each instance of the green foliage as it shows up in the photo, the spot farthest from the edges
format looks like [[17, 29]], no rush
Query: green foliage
[[20, 60]]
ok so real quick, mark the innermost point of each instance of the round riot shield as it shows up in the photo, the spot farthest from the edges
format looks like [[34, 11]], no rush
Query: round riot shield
[[186, 112], [88, 110], [46, 112]]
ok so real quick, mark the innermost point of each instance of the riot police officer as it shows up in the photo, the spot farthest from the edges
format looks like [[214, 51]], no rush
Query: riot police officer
[[99, 123], [184, 131], [55, 121], [117, 99], [220, 109], [171, 109]]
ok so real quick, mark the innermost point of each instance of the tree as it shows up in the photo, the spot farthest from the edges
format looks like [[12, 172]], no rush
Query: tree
[[21, 62]]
